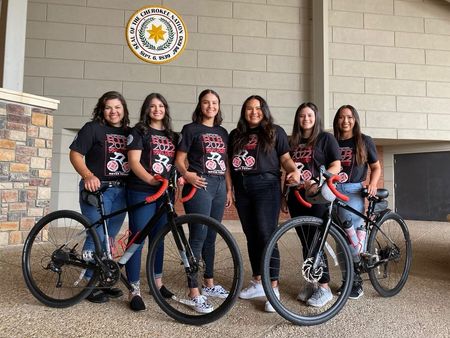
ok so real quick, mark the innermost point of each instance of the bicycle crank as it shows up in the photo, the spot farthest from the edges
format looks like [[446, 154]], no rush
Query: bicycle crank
[[109, 273]]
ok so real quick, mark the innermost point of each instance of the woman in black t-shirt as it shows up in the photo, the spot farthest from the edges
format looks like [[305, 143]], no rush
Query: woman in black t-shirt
[[151, 151], [258, 148], [311, 147], [358, 153], [99, 154], [202, 161]]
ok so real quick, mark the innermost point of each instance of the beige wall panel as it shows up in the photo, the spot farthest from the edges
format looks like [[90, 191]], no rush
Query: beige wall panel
[[294, 3], [266, 80], [393, 23], [78, 88], [55, 31], [105, 35], [172, 92], [34, 85], [422, 10], [366, 101], [35, 48], [434, 26], [367, 6], [36, 11], [363, 69], [121, 71], [377, 119], [393, 54], [438, 89], [267, 13], [237, 96], [188, 58], [438, 57], [439, 121], [396, 87], [286, 98], [201, 7], [243, 44], [282, 30], [84, 51], [429, 135], [381, 133], [361, 36], [346, 51], [123, 4], [54, 68], [197, 76], [423, 105], [425, 41], [211, 42], [69, 106], [231, 26], [346, 84], [235, 61], [85, 15], [346, 19], [417, 72], [288, 64], [64, 2]]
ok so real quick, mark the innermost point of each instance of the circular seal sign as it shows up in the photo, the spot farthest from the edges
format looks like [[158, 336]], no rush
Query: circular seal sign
[[156, 34]]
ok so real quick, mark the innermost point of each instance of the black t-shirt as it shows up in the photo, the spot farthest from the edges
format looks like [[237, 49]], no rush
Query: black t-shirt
[[206, 148], [157, 157], [104, 148], [253, 159], [351, 172], [308, 159]]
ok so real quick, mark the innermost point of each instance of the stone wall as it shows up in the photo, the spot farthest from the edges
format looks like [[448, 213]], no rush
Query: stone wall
[[26, 133]]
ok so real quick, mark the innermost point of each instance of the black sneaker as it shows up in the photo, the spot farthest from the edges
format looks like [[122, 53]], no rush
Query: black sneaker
[[97, 296], [357, 291], [137, 304], [113, 292], [165, 292]]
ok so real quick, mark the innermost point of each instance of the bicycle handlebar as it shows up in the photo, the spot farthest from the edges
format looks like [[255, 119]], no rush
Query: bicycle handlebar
[[161, 190], [191, 193]]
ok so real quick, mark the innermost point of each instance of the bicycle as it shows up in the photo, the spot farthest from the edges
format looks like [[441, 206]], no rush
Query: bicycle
[[52, 261], [386, 255]]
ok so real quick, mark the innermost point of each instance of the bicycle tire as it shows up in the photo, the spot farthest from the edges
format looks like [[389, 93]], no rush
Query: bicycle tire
[[61, 232], [389, 278], [285, 242], [228, 271]]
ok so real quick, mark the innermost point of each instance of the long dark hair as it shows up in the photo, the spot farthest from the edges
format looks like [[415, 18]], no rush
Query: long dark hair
[[267, 135], [197, 115], [98, 113], [361, 151], [145, 119], [297, 133]]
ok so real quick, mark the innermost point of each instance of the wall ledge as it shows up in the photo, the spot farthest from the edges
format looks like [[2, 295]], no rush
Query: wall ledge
[[28, 99]]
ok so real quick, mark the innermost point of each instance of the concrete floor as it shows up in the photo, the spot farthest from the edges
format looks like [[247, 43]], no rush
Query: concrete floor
[[422, 309]]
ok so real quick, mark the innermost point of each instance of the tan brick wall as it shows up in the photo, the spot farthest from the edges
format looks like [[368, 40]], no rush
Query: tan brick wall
[[25, 169]]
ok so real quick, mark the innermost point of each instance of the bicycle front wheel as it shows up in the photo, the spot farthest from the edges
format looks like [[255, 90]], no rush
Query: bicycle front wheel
[[390, 248], [52, 262], [225, 265], [289, 259]]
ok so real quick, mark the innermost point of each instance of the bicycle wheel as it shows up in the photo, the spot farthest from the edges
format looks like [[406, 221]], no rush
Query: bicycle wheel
[[289, 260], [52, 263], [390, 245], [227, 269]]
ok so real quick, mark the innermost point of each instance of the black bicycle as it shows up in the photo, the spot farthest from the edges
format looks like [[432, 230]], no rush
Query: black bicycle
[[53, 264], [386, 255]]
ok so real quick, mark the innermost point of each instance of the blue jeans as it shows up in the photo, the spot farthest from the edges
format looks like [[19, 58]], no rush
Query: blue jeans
[[258, 201], [138, 218], [353, 191], [113, 200], [209, 202]]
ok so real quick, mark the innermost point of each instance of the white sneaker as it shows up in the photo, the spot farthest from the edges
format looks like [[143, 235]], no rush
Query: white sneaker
[[306, 292], [215, 291], [268, 307], [253, 290], [320, 297], [200, 304]]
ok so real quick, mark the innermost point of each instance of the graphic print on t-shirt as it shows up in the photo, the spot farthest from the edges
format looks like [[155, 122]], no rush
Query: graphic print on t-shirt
[[246, 159], [115, 157], [214, 150], [346, 163], [162, 154], [302, 157]]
